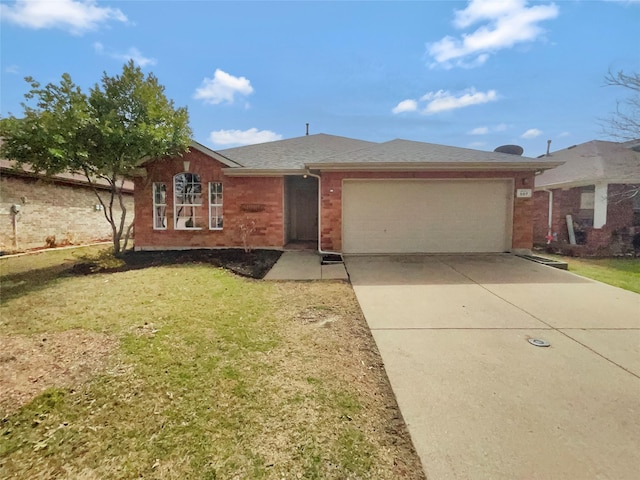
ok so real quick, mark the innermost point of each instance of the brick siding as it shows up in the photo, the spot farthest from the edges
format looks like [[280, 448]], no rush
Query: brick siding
[[265, 198], [601, 241], [246, 200], [331, 234], [51, 208]]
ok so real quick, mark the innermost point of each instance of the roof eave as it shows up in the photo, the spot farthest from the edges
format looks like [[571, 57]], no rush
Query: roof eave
[[66, 179], [262, 172], [212, 153], [433, 166], [587, 182]]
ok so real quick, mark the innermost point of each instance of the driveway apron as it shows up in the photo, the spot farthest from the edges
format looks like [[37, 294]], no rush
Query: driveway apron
[[480, 401]]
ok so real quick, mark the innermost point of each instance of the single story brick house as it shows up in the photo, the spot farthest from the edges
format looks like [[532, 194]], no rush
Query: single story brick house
[[595, 185], [34, 208], [342, 194]]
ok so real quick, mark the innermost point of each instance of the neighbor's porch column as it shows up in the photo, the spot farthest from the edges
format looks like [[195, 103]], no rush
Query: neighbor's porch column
[[600, 205]]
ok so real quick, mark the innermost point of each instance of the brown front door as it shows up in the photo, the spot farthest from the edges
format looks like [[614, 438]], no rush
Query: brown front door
[[303, 208]]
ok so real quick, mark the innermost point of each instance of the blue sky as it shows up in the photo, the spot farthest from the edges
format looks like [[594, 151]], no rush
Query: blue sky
[[475, 74]]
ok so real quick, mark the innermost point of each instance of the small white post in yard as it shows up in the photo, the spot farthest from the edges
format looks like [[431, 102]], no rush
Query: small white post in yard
[[572, 233], [600, 205]]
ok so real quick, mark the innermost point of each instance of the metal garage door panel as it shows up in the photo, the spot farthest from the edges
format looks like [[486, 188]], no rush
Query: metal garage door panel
[[420, 216]]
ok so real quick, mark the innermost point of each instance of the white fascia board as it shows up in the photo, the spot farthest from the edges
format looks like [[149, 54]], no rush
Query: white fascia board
[[587, 183]]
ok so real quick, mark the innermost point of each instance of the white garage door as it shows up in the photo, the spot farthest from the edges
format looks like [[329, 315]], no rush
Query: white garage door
[[426, 216]]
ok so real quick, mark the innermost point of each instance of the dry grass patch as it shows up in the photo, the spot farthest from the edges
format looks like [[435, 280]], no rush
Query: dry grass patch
[[29, 364], [213, 376]]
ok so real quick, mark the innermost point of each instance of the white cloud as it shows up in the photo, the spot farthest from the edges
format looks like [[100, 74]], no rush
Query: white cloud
[[566, 134], [442, 100], [223, 88], [531, 133], [14, 69], [505, 23], [243, 137], [501, 127], [406, 106], [75, 16], [132, 54]]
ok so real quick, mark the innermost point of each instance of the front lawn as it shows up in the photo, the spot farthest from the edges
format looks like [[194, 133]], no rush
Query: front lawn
[[189, 371], [619, 272]]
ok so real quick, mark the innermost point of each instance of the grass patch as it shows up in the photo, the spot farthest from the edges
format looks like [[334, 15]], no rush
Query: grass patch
[[22, 274], [619, 272], [60, 257], [213, 376]]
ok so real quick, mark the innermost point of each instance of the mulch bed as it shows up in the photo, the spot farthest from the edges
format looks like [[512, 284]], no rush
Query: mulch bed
[[254, 264]]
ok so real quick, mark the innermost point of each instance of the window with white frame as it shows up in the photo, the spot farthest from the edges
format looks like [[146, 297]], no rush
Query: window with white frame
[[215, 205], [585, 215], [587, 198], [159, 206], [187, 201]]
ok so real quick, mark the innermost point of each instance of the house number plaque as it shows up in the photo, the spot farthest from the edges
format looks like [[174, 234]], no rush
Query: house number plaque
[[524, 193]]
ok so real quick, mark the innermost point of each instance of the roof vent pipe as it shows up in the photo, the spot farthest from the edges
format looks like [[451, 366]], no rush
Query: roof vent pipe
[[307, 129], [548, 147]]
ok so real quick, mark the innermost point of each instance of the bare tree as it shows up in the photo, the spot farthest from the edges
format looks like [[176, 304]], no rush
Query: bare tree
[[624, 123]]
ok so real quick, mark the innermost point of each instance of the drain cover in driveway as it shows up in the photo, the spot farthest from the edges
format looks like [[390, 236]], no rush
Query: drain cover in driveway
[[538, 343]]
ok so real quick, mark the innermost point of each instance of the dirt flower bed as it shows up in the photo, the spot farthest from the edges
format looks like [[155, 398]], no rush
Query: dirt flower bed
[[253, 264]]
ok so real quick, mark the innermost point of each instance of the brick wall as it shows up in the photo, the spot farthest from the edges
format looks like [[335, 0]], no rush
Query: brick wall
[[567, 202], [331, 234], [49, 208], [246, 200], [540, 217], [261, 200], [619, 209]]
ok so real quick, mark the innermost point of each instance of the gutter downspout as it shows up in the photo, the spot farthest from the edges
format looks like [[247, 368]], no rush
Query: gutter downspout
[[550, 221], [320, 251]]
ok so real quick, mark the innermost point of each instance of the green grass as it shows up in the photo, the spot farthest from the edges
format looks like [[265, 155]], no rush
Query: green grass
[[46, 259], [619, 272], [213, 379]]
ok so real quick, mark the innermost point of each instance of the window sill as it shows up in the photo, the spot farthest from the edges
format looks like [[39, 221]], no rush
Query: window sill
[[187, 228]]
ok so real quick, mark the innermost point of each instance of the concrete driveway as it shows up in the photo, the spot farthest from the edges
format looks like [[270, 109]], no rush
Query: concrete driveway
[[480, 401]]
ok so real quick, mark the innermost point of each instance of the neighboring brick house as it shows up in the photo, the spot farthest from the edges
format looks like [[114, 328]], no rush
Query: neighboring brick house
[[341, 194], [33, 207], [595, 186]]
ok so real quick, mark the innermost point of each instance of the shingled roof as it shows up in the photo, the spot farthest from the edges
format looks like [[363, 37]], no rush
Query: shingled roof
[[293, 153], [328, 152], [593, 162]]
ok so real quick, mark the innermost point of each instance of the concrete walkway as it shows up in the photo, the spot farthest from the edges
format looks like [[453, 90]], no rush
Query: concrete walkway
[[479, 400], [305, 265]]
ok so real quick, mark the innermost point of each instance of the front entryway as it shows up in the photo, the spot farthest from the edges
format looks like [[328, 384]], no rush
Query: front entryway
[[301, 200]]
